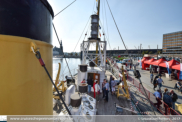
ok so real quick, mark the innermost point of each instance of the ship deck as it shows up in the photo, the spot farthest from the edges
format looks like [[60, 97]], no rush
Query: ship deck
[[108, 108]]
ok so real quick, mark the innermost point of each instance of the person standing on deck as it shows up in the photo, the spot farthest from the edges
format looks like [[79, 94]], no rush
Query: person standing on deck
[[158, 97], [83, 81], [103, 88], [107, 90], [174, 97], [160, 82], [90, 84], [94, 87], [110, 81], [97, 90], [113, 84], [151, 77]]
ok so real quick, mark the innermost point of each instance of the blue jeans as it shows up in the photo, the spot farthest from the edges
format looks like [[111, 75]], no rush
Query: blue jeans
[[89, 88], [103, 91], [106, 93], [160, 85], [173, 105]]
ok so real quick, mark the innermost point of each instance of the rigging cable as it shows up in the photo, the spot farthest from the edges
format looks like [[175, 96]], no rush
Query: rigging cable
[[81, 34], [117, 27], [107, 26], [103, 17], [104, 33], [103, 30], [64, 8], [78, 40], [63, 53]]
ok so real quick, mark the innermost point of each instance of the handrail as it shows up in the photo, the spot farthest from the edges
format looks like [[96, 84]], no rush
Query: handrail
[[173, 112], [150, 94]]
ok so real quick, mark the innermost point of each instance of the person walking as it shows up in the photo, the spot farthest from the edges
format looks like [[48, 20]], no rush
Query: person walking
[[174, 97], [113, 84], [107, 90], [158, 97], [134, 66], [90, 84], [160, 82], [155, 83], [151, 77], [150, 68], [167, 101], [97, 90]]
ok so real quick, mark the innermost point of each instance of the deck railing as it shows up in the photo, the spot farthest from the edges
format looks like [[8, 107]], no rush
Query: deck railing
[[164, 108]]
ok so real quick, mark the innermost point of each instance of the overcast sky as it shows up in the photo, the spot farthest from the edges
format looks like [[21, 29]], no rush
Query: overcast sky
[[139, 21]]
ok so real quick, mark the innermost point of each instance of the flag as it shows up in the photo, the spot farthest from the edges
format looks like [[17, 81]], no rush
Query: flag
[[167, 66], [140, 62], [180, 75]]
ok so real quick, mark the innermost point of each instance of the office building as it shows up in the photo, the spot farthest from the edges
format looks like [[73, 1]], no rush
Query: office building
[[172, 43]]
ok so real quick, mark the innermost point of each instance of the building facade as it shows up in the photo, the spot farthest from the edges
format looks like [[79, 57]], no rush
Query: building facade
[[58, 51], [172, 43], [131, 52]]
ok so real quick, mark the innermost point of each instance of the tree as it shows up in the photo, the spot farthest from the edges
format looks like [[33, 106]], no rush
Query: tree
[[76, 54], [143, 52], [146, 52], [158, 52], [150, 52]]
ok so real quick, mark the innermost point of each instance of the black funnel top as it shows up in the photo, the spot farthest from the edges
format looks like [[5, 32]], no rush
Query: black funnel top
[[26, 18]]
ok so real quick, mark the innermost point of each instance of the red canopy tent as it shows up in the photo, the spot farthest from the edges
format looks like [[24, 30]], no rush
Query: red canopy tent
[[143, 64], [149, 61], [171, 63], [145, 59], [177, 67], [146, 63], [157, 62]]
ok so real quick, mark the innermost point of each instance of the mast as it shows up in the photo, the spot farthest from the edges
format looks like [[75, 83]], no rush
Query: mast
[[98, 12]]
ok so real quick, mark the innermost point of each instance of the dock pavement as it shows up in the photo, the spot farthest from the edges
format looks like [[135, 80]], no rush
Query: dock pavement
[[169, 84]]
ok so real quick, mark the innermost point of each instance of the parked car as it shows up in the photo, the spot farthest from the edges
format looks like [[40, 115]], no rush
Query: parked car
[[126, 61]]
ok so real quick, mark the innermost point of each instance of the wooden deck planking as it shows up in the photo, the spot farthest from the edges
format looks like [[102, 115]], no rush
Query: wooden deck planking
[[108, 108]]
